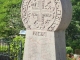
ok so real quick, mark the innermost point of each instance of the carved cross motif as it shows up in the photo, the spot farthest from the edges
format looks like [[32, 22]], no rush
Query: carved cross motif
[[41, 15]]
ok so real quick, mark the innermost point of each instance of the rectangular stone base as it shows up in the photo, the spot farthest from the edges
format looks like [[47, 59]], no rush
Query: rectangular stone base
[[44, 45]]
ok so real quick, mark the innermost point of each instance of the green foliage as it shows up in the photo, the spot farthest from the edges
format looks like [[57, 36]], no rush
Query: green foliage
[[19, 38], [17, 42], [73, 31], [10, 18], [68, 58], [69, 50], [14, 48], [3, 48], [17, 45]]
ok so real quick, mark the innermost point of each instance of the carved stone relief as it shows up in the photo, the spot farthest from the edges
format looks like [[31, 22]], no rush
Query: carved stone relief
[[41, 15]]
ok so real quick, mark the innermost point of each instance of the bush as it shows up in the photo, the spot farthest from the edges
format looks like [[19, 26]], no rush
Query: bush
[[13, 48], [3, 48], [17, 46], [69, 50]]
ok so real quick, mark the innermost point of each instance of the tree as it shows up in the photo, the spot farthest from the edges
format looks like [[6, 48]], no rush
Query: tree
[[73, 31], [10, 19]]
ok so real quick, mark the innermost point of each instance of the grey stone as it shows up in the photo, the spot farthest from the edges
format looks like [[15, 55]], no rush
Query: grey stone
[[45, 22]]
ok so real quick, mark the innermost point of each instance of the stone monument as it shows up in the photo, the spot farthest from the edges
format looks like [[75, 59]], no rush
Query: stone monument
[[45, 22]]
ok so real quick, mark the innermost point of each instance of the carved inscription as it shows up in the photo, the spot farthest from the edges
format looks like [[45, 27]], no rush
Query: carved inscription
[[57, 17], [41, 14], [39, 33]]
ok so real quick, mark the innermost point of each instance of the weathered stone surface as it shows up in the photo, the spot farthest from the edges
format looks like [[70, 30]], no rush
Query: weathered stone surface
[[39, 45], [45, 22], [49, 15]]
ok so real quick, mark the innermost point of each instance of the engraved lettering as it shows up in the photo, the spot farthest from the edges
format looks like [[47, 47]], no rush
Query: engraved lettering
[[39, 33], [41, 14]]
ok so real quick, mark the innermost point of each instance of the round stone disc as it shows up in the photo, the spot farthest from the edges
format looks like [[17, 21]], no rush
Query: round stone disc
[[42, 14]]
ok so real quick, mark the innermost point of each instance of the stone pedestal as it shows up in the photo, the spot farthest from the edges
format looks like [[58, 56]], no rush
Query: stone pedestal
[[44, 45]]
